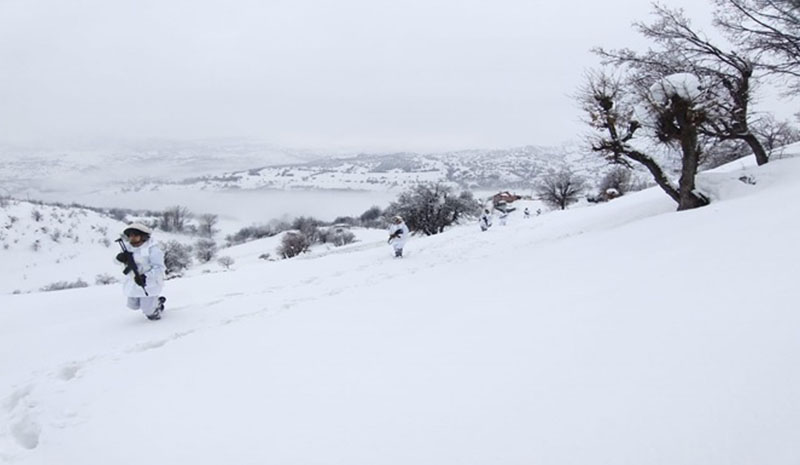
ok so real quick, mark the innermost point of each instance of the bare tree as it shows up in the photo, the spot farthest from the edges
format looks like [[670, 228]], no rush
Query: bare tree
[[174, 218], [776, 134], [673, 120], [226, 262], [770, 29], [207, 223], [560, 189], [727, 75]]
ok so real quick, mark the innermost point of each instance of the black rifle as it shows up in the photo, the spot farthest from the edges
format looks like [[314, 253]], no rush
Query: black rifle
[[395, 235], [130, 265]]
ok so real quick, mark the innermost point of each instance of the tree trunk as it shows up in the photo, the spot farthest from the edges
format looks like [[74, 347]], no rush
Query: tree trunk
[[757, 148], [688, 199], [658, 174]]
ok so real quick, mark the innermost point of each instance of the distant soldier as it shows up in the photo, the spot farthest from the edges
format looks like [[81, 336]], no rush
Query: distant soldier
[[398, 235], [503, 218], [144, 271], [485, 220], [526, 213]]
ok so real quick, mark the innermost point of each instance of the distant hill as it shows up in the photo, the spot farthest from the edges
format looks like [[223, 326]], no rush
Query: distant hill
[[471, 169], [28, 171]]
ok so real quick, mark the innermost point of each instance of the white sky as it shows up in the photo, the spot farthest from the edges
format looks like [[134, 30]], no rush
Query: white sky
[[344, 74]]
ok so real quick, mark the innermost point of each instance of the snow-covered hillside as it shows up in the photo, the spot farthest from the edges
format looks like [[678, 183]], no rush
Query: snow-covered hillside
[[52, 246], [43, 245], [622, 333], [33, 171], [473, 169]]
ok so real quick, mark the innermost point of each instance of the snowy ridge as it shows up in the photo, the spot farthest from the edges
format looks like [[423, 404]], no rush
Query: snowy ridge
[[559, 340], [474, 169]]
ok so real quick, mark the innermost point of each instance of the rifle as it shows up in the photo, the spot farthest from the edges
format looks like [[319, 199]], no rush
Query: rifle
[[395, 235], [130, 265]]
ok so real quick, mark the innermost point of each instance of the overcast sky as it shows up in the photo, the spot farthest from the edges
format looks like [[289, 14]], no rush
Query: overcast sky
[[339, 74]]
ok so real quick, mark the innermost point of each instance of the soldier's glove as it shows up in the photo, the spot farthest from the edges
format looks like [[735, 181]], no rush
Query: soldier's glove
[[125, 257], [140, 280]]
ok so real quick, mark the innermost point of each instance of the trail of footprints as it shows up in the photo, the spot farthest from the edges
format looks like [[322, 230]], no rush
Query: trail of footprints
[[24, 412]]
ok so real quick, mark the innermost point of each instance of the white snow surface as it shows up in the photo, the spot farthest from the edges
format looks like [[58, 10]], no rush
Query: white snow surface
[[623, 333], [685, 85]]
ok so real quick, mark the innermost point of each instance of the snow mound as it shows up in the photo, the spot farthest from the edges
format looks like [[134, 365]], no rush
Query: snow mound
[[685, 85]]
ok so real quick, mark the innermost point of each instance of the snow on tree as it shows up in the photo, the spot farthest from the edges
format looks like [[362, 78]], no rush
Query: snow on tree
[[205, 250], [293, 243], [431, 207], [177, 257], [685, 53], [664, 116]]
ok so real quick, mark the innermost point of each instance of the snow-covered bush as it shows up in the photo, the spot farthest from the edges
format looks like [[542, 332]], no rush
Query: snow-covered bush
[[250, 233], [430, 208], [61, 285], [226, 261], [348, 220], [118, 214], [308, 226], [336, 236], [105, 279], [205, 250], [177, 257], [615, 183], [293, 244], [372, 218]]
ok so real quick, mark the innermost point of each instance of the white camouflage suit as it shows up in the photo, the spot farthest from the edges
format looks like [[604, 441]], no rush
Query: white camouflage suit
[[150, 261], [398, 241]]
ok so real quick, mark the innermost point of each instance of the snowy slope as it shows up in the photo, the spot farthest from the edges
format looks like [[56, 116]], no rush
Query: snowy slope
[[43, 244], [623, 333]]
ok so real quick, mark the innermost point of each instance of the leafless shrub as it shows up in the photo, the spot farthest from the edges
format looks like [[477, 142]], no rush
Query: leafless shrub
[[62, 285], [205, 250], [293, 244], [226, 262], [105, 279]]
